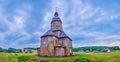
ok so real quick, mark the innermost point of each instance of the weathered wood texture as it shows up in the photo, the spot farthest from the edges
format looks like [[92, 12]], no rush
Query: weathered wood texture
[[55, 42]]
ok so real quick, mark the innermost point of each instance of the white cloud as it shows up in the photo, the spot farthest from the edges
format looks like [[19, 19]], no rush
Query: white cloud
[[78, 15], [17, 25], [33, 45], [106, 16], [37, 34], [75, 15], [46, 19], [101, 43]]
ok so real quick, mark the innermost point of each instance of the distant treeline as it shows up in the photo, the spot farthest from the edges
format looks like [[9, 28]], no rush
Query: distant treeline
[[14, 50], [93, 48], [90, 48]]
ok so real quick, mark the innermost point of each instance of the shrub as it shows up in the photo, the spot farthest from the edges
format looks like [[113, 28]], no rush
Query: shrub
[[23, 58], [44, 61], [82, 60]]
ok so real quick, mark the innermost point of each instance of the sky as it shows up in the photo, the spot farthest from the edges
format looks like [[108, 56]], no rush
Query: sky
[[86, 22]]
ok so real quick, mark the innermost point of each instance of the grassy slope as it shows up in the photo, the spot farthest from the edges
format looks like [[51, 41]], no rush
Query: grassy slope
[[93, 57]]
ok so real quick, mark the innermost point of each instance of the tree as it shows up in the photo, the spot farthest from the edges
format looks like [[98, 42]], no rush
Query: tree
[[11, 50], [0, 49], [115, 48]]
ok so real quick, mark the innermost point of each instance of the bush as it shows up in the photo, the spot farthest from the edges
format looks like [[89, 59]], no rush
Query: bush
[[26, 59], [23, 58], [82, 60], [44, 61]]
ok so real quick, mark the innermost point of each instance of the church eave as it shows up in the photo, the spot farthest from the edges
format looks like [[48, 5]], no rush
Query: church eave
[[56, 30], [48, 35], [66, 37]]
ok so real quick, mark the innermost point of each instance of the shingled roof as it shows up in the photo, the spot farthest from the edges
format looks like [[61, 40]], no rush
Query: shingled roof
[[51, 33]]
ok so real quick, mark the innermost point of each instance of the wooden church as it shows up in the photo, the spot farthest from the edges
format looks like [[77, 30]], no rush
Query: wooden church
[[55, 42]]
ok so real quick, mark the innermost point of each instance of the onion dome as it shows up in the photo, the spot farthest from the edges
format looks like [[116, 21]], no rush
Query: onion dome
[[56, 18]]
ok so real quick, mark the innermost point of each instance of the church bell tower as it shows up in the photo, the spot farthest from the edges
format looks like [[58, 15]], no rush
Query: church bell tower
[[56, 22]]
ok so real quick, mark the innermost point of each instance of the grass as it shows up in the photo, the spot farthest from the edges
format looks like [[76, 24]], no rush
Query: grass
[[77, 57]]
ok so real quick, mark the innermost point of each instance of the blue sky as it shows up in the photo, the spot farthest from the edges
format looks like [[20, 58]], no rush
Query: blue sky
[[87, 22]]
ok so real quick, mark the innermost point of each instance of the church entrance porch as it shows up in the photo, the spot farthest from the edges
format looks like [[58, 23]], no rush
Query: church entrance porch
[[60, 51]]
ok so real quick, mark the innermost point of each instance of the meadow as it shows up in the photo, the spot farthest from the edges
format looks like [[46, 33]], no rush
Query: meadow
[[77, 57]]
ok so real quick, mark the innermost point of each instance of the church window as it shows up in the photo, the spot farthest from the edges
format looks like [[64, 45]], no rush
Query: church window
[[62, 42]]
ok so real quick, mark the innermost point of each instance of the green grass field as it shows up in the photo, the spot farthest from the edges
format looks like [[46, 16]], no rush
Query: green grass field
[[78, 57]]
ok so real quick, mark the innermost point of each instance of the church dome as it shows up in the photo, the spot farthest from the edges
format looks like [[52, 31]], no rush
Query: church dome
[[56, 18]]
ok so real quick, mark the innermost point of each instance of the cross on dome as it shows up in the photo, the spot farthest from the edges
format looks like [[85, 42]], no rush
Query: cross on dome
[[56, 13]]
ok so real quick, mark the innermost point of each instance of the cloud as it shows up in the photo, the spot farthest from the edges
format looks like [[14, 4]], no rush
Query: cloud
[[80, 15], [84, 21], [16, 26], [101, 43], [106, 16], [37, 35], [114, 43]]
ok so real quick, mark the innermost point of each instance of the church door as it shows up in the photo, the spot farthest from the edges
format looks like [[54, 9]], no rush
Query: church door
[[58, 51]]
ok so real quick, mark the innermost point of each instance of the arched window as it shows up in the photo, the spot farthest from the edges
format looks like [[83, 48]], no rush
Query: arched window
[[55, 42], [62, 42]]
